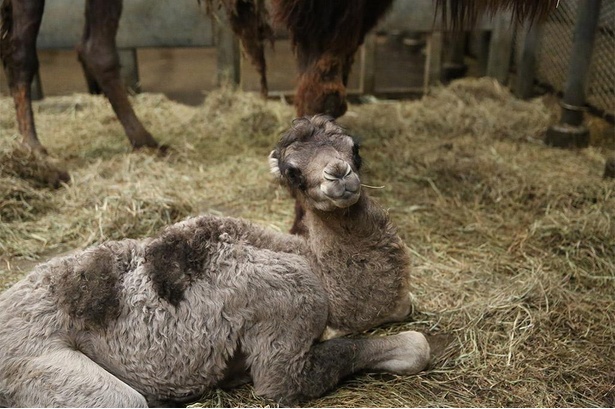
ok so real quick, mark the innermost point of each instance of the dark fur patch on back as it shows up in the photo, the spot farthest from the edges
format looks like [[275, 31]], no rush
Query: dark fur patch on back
[[177, 257], [88, 286]]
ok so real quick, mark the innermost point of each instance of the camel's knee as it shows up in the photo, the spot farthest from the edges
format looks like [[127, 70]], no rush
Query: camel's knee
[[101, 60], [20, 23], [97, 50]]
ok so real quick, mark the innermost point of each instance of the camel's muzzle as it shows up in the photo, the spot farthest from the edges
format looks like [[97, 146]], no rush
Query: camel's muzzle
[[340, 184]]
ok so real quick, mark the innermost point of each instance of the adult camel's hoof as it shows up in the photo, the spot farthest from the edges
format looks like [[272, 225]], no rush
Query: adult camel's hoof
[[159, 149], [33, 165]]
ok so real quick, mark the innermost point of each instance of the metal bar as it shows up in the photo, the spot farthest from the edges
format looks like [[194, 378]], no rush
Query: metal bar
[[571, 131], [500, 49], [433, 65], [526, 71], [229, 57], [482, 51], [578, 69]]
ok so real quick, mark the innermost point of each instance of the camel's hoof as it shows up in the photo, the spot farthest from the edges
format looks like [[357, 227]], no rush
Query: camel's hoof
[[160, 150], [34, 164], [164, 150], [56, 177]]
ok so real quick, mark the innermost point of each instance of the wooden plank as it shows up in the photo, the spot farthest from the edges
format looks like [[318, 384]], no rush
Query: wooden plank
[[433, 65], [129, 69], [368, 64], [144, 23], [36, 88]]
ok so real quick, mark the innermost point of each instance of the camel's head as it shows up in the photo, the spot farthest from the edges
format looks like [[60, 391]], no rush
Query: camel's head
[[319, 163]]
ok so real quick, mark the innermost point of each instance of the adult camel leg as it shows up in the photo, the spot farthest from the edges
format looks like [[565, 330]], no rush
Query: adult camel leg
[[19, 26], [98, 54], [21, 21]]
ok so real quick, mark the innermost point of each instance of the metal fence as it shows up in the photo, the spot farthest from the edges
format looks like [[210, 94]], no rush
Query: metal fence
[[554, 54], [601, 91]]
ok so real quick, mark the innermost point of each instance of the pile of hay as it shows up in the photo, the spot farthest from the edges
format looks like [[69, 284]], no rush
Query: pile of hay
[[513, 243]]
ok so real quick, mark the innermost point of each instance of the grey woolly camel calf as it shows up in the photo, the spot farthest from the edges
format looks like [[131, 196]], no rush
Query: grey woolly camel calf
[[209, 302]]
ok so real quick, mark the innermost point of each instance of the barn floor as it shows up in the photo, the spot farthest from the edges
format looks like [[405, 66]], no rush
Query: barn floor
[[513, 242]]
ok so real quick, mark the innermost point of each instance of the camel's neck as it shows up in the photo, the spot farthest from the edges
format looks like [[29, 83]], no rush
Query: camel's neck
[[362, 223], [361, 262]]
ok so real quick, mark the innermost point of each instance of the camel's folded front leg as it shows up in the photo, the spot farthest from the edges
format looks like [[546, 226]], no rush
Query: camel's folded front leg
[[310, 375]]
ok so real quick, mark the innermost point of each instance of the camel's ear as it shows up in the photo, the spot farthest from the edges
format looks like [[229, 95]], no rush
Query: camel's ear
[[274, 164]]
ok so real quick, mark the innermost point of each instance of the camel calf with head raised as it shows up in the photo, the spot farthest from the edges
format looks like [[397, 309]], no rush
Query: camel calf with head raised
[[352, 245], [212, 301]]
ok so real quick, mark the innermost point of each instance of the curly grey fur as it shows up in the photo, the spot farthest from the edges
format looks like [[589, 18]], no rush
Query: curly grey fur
[[208, 302]]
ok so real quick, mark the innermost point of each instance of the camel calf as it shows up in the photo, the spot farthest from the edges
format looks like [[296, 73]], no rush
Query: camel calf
[[213, 301]]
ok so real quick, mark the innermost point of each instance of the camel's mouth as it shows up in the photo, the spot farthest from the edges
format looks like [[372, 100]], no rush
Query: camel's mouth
[[340, 185], [347, 200]]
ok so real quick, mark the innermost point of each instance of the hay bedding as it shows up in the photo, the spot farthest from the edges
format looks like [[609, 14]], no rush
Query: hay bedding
[[513, 243]]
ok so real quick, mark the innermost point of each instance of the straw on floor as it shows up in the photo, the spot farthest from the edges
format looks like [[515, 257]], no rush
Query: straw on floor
[[513, 242]]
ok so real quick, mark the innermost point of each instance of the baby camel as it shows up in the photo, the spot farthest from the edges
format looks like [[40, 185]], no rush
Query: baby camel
[[212, 301], [352, 246]]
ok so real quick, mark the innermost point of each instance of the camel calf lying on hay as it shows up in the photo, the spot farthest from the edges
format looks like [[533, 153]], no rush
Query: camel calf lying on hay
[[213, 300]]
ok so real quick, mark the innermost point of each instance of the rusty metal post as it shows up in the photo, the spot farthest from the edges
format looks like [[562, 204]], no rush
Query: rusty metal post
[[570, 131]]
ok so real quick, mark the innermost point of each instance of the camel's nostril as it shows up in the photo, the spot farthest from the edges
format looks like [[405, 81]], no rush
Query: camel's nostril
[[329, 176], [339, 170], [348, 171]]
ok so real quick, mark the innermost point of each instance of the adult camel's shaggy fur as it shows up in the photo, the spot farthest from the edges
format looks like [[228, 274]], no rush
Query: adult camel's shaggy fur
[[214, 301]]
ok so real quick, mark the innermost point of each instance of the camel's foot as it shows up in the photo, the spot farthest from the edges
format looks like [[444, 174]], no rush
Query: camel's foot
[[158, 149], [34, 164]]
